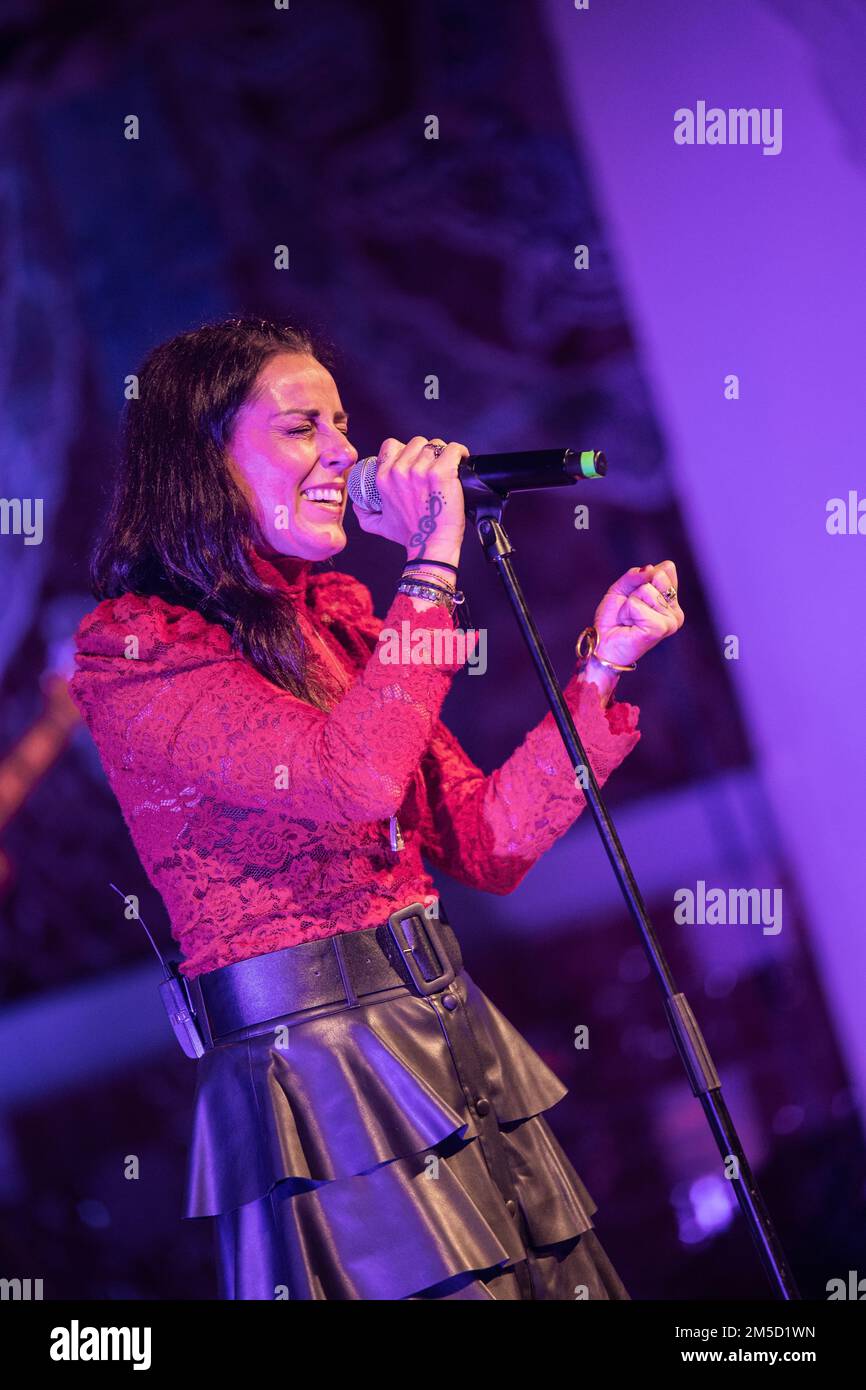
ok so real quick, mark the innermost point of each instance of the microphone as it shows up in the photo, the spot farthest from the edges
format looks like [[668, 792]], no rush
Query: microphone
[[501, 474]]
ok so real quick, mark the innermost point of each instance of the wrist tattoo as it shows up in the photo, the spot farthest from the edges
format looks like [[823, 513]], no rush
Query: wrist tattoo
[[426, 525]]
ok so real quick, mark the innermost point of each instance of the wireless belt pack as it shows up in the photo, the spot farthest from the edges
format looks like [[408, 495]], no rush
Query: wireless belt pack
[[174, 994]]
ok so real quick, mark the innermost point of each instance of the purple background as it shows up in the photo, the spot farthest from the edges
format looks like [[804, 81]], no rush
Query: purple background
[[455, 257]]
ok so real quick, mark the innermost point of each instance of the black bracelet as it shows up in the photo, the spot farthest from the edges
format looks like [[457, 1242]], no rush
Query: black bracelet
[[442, 563]]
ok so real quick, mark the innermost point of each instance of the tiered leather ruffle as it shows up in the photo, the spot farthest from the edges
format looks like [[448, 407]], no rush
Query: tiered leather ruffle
[[343, 1162]]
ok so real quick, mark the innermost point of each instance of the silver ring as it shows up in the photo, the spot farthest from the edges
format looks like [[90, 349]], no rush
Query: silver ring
[[437, 448]]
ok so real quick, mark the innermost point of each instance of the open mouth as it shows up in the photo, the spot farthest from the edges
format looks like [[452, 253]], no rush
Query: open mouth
[[327, 498]]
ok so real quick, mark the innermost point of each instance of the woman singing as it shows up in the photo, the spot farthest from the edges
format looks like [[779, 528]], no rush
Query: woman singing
[[367, 1124]]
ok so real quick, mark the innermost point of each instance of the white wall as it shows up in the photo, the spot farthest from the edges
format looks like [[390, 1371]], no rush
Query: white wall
[[735, 261]]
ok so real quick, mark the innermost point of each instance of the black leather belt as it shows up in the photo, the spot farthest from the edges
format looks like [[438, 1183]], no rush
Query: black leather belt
[[412, 951]]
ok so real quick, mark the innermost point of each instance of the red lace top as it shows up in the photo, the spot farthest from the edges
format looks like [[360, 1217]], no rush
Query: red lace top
[[263, 821]]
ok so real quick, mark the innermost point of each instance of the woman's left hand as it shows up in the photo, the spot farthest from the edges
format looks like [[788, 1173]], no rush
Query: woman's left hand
[[634, 615]]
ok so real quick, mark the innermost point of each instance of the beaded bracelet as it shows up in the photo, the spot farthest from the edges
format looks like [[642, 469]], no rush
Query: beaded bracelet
[[446, 598], [430, 583]]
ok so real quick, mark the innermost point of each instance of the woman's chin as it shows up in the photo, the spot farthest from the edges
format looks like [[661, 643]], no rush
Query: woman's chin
[[320, 544], [330, 544]]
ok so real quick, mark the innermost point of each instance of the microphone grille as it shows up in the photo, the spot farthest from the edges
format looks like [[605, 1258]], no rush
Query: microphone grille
[[361, 483]]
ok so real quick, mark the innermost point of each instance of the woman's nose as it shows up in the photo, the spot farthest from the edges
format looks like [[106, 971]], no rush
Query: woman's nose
[[340, 454]]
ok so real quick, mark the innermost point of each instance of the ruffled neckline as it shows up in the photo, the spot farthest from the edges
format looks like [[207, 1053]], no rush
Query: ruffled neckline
[[288, 573], [330, 596]]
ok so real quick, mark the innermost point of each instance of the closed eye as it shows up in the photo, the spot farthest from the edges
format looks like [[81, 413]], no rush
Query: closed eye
[[302, 429]]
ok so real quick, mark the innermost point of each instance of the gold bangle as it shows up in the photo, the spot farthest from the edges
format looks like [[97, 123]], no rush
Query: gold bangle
[[632, 666], [589, 638]]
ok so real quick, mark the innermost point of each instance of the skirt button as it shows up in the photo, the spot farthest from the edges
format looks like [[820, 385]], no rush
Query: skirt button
[[449, 1002], [511, 1207], [482, 1106]]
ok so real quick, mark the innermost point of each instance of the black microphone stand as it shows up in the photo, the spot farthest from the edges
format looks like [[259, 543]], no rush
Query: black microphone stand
[[484, 507]]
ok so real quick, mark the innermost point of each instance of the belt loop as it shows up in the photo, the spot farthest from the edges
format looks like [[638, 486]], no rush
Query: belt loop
[[351, 996]]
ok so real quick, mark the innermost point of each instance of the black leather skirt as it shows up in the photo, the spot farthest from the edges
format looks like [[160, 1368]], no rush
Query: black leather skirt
[[390, 1145]]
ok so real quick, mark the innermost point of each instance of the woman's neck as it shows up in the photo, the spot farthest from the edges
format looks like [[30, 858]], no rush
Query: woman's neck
[[293, 570]]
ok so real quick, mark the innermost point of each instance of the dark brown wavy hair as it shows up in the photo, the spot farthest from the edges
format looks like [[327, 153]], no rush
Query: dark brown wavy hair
[[179, 525]]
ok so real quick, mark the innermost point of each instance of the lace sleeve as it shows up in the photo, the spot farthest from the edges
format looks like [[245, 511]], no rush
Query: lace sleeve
[[487, 831], [195, 706]]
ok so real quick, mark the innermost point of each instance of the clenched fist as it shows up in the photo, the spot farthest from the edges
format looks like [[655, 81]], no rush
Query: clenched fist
[[640, 610]]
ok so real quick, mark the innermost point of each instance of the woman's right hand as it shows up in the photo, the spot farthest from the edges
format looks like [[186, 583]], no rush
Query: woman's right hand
[[422, 499]]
